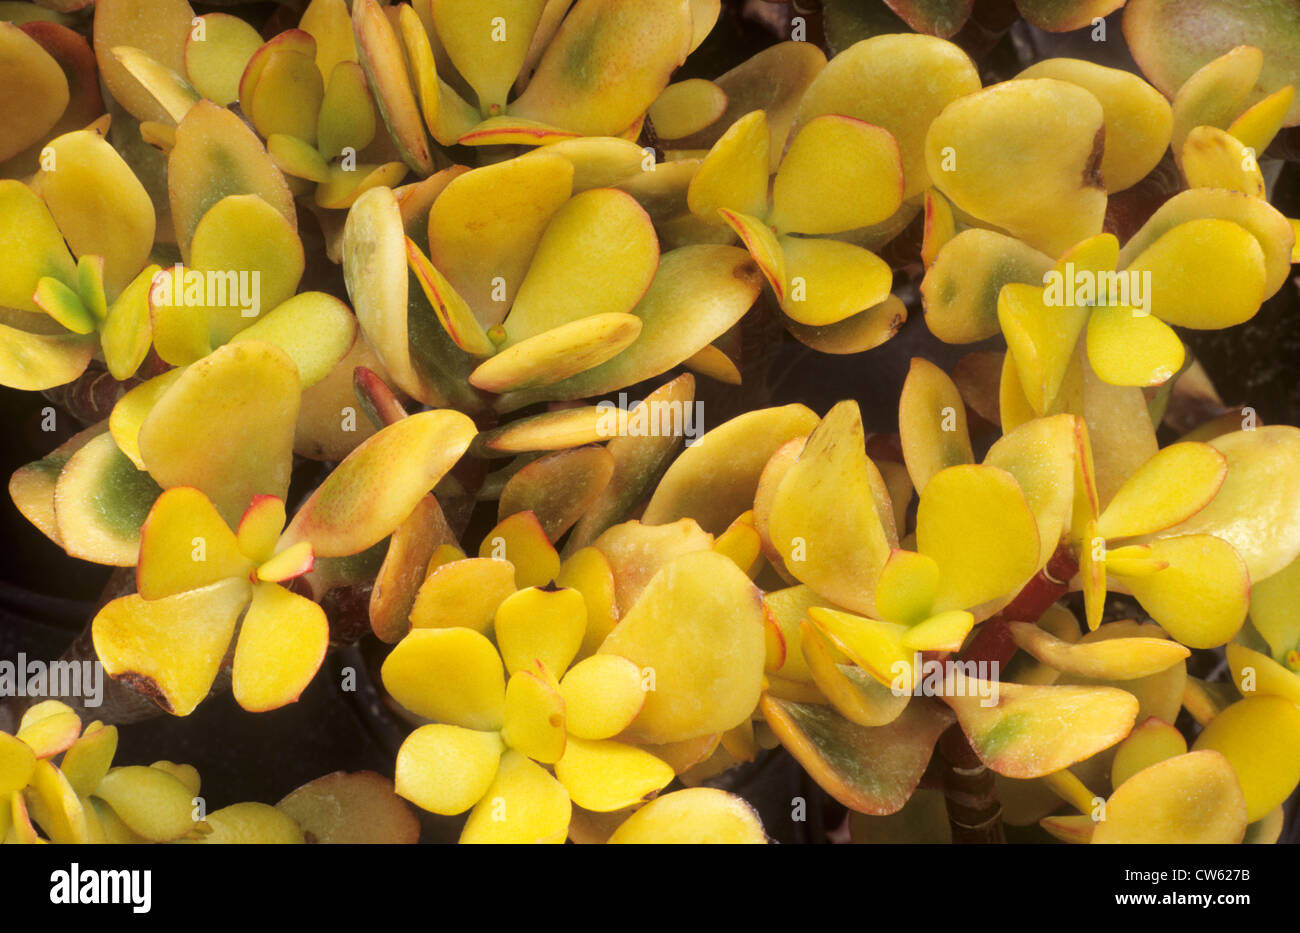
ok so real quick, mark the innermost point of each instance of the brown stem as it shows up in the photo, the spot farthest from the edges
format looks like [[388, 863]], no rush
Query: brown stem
[[974, 812]]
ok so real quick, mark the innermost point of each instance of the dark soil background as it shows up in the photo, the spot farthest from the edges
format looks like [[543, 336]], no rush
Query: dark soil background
[[47, 598]]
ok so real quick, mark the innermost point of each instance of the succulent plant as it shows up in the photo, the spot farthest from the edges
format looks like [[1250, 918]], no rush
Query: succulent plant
[[340, 310]]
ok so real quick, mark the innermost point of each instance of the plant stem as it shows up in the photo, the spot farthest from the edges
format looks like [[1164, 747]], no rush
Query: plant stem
[[993, 642], [974, 812]]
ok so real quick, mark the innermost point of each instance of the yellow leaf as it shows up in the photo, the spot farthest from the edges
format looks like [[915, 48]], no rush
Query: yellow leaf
[[1025, 731], [1260, 738], [448, 674], [838, 174], [535, 714], [975, 523], [734, 175], [543, 625], [523, 804], [694, 816], [602, 696], [1169, 488], [698, 630], [1192, 798], [170, 649], [447, 769], [185, 545], [824, 521], [1201, 597], [282, 642], [604, 776]]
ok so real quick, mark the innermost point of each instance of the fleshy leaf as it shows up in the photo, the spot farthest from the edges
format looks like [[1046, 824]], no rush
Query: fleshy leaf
[[217, 155], [170, 649], [606, 64], [31, 237], [1112, 659], [101, 208], [863, 81], [524, 804], [975, 523], [712, 651], [1169, 488], [215, 63], [382, 57], [869, 770], [534, 717], [1138, 119], [824, 520], [520, 540], [1259, 737], [1151, 742], [448, 674], [838, 174], [696, 815], [214, 430], [602, 696], [363, 499], [185, 545], [151, 802], [540, 625], [830, 281], [601, 243], [357, 807], [715, 479], [463, 593], [282, 642], [734, 175], [1205, 274], [447, 769], [1190, 798], [605, 776], [100, 502], [486, 224], [1032, 731], [1053, 131], [931, 423], [558, 488]]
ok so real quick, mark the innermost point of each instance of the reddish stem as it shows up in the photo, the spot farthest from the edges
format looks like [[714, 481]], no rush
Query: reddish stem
[[993, 642]]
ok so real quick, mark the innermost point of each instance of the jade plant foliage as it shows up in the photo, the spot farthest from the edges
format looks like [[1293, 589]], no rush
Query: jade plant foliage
[[337, 314]]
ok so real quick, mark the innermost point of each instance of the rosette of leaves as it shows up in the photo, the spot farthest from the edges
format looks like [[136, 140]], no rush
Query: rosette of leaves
[[521, 71], [206, 422], [839, 174], [465, 284], [199, 583], [59, 311], [526, 661], [908, 601], [303, 91], [60, 781], [849, 161], [1119, 128]]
